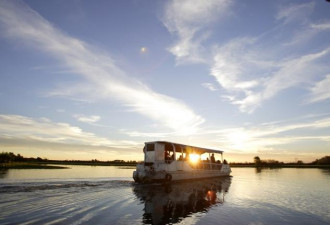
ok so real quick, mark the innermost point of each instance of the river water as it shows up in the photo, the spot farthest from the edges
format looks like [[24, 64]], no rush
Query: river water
[[108, 195]]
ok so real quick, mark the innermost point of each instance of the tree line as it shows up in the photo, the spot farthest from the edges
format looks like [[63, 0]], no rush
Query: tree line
[[258, 162], [8, 157]]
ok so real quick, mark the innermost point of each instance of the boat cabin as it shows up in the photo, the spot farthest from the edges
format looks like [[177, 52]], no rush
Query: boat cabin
[[167, 152], [172, 161]]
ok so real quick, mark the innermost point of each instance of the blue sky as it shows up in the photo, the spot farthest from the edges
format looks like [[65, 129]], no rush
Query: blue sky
[[95, 80]]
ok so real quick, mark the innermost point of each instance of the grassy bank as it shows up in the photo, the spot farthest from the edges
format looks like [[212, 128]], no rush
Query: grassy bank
[[282, 166], [90, 163], [39, 165], [28, 165]]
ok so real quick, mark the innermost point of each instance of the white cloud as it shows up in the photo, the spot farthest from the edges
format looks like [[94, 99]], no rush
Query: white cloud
[[250, 69], [97, 68], [16, 127], [209, 86], [185, 19], [267, 136], [253, 72], [320, 91], [295, 12], [249, 93], [293, 72], [147, 134], [239, 69], [234, 60], [42, 137], [87, 119], [321, 26]]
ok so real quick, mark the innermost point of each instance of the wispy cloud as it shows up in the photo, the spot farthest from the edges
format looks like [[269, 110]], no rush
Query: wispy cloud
[[99, 69], [147, 134], [252, 71], [320, 91], [267, 136], [295, 12], [209, 86], [321, 26], [87, 119], [16, 127], [286, 74], [186, 19], [45, 138]]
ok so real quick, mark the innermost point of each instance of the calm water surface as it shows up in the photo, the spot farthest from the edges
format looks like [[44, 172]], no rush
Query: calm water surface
[[108, 195]]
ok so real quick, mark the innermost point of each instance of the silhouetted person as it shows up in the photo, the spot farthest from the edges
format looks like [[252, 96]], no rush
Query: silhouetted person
[[212, 158], [167, 156]]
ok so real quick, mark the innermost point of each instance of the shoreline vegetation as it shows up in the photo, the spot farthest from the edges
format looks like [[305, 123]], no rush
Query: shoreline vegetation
[[29, 165], [9, 160], [324, 162]]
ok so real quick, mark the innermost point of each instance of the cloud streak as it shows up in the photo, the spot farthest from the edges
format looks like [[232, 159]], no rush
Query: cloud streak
[[99, 69], [187, 20], [266, 137], [15, 127], [248, 94], [251, 69], [43, 137], [88, 119], [295, 12], [320, 91]]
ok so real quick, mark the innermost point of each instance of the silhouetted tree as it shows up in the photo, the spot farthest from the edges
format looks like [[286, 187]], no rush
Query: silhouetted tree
[[300, 162], [257, 161], [323, 161]]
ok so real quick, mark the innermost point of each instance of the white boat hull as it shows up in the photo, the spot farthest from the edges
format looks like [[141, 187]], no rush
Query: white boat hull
[[146, 175]]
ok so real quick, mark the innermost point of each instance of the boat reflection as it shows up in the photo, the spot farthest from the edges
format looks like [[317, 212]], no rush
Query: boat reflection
[[3, 173], [166, 204]]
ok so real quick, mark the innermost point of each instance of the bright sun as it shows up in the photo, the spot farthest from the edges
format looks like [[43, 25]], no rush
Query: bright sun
[[143, 50], [193, 158]]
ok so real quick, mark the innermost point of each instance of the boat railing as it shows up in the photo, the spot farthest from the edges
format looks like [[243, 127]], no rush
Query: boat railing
[[200, 165], [207, 166]]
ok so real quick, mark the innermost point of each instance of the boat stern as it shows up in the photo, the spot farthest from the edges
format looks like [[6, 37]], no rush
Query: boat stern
[[143, 173]]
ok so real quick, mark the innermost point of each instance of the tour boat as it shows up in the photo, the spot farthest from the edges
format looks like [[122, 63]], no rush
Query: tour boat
[[168, 161]]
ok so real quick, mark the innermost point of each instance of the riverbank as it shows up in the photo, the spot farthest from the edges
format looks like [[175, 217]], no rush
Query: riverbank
[[91, 163], [60, 164], [28, 165], [64, 164], [307, 166]]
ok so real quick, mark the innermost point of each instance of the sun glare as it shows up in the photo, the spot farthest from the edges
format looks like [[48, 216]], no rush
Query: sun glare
[[143, 50], [193, 158], [238, 139]]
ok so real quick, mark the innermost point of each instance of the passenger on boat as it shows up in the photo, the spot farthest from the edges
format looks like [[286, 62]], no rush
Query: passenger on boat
[[167, 155], [187, 156], [207, 163], [219, 164], [212, 158]]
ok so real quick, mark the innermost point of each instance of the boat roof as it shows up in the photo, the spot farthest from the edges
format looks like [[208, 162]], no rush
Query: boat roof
[[189, 148]]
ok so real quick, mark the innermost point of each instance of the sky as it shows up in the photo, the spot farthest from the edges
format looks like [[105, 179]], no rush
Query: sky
[[96, 79]]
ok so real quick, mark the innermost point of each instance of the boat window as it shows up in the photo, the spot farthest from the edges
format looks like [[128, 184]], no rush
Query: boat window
[[180, 156], [169, 153], [150, 147], [168, 147]]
